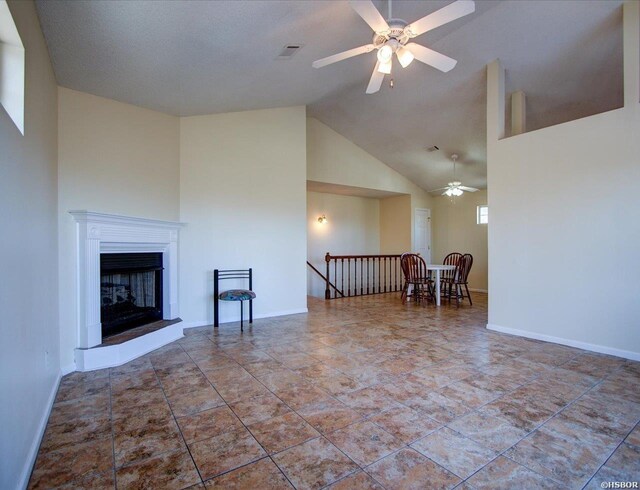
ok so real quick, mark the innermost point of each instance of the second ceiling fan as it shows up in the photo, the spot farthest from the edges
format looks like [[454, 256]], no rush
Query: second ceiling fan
[[393, 35], [455, 188]]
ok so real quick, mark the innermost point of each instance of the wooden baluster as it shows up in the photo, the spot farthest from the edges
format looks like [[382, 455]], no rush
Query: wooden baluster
[[327, 291], [349, 276], [372, 268], [367, 275], [395, 274], [342, 275], [385, 274]]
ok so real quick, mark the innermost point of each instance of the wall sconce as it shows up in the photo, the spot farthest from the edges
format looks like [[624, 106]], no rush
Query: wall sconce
[[322, 219]]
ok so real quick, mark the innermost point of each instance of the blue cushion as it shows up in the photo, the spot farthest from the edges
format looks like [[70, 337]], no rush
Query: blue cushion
[[237, 295]]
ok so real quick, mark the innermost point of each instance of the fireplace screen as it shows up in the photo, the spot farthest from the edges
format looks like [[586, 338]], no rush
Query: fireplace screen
[[130, 291]]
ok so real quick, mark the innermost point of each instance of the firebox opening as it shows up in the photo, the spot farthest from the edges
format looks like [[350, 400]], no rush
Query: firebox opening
[[130, 291]]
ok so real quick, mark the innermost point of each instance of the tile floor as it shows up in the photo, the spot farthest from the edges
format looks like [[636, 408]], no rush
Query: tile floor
[[361, 393]]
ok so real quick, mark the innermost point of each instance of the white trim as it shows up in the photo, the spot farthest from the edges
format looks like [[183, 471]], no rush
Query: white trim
[[186, 325], [35, 445], [68, 369], [205, 323], [278, 313], [93, 217], [116, 355], [602, 349], [476, 290]]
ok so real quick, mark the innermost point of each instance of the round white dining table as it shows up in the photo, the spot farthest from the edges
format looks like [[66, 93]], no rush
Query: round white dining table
[[437, 268]]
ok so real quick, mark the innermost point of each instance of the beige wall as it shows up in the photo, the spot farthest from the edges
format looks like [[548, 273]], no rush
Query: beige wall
[[334, 159], [243, 197], [28, 260], [563, 227], [113, 158], [395, 225], [352, 228], [455, 229]]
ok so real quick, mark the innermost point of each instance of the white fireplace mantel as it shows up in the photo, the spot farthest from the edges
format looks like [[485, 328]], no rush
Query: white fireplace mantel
[[107, 233]]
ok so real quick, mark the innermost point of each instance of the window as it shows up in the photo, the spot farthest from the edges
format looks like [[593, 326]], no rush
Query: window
[[483, 214], [11, 68]]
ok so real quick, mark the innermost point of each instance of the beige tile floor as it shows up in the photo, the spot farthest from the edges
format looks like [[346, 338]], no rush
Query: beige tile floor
[[360, 393]]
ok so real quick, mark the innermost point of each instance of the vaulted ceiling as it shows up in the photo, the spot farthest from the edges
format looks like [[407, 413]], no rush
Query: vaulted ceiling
[[194, 57]]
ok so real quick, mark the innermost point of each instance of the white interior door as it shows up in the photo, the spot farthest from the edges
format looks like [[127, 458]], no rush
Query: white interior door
[[422, 233]]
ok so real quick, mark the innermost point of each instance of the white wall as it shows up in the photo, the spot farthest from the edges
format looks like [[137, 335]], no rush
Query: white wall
[[113, 158], [563, 226], [28, 260], [455, 229], [243, 195], [352, 228]]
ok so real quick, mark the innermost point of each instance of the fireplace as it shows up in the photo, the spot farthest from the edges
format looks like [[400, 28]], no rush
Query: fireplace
[[149, 286], [130, 290]]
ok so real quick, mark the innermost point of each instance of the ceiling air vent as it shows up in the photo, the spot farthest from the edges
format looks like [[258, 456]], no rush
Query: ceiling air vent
[[432, 148], [288, 51]]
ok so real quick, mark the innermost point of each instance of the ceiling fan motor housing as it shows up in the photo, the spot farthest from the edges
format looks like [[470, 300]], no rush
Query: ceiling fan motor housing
[[396, 31]]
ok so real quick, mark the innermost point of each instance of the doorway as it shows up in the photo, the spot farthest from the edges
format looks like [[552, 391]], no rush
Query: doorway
[[422, 233]]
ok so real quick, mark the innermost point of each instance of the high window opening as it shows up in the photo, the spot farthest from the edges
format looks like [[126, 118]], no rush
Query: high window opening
[[11, 68], [482, 217]]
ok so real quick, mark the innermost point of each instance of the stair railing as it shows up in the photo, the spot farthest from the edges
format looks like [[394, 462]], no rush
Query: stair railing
[[361, 275]]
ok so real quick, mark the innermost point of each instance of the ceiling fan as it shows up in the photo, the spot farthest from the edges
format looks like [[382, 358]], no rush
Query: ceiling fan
[[455, 188], [393, 35]]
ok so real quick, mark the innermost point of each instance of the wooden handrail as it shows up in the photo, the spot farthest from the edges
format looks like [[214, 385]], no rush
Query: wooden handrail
[[360, 275], [358, 256], [325, 279]]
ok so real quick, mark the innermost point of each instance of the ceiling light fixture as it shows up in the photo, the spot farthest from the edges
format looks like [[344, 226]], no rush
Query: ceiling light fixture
[[385, 67], [405, 57], [322, 219], [385, 52]]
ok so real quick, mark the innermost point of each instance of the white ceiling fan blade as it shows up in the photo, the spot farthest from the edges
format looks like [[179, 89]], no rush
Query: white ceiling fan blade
[[367, 48], [445, 15], [376, 80], [438, 189], [431, 57], [369, 13], [467, 189]]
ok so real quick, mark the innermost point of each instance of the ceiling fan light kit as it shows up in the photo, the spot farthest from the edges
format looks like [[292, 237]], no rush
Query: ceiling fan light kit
[[385, 67], [393, 35], [405, 56], [455, 189]]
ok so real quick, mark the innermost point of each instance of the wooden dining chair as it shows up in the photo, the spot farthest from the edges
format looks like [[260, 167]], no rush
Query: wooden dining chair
[[417, 276], [447, 278], [461, 279]]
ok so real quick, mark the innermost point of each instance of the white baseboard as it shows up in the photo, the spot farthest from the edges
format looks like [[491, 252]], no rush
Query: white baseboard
[[204, 323], [35, 445], [68, 369], [116, 355], [476, 290], [601, 349], [278, 313]]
